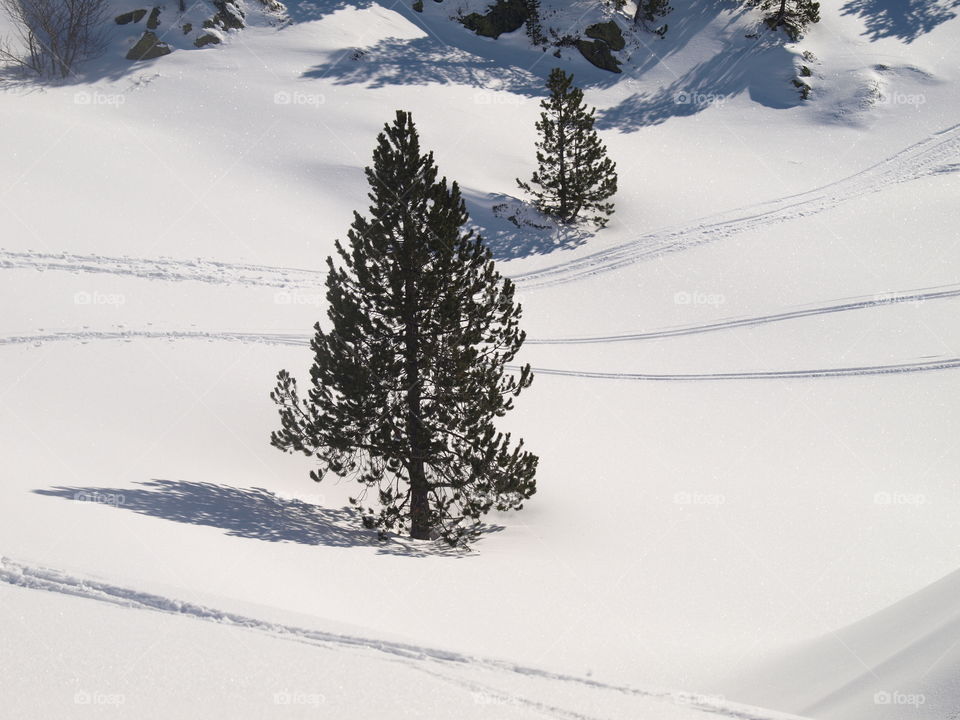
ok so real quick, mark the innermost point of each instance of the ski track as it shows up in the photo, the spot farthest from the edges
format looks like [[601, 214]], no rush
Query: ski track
[[934, 155], [168, 269], [924, 365], [862, 303], [422, 658], [845, 305]]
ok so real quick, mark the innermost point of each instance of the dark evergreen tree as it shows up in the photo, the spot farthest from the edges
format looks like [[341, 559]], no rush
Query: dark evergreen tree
[[411, 374], [791, 15], [534, 23], [574, 174], [649, 11]]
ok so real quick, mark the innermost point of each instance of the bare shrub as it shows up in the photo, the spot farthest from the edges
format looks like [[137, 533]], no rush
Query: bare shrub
[[52, 36]]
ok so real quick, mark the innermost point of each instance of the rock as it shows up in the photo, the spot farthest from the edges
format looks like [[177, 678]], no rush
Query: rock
[[207, 39], [502, 17], [148, 48], [228, 16], [609, 32], [153, 22], [418, 6], [598, 53], [134, 16], [187, 28]]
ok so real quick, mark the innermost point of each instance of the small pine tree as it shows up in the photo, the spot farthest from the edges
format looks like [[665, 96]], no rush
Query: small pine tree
[[408, 380], [648, 11], [534, 23], [574, 174], [791, 15]]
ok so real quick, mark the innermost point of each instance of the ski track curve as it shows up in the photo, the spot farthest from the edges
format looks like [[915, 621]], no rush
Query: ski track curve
[[934, 155], [837, 306], [39, 578], [923, 365], [937, 154], [847, 305]]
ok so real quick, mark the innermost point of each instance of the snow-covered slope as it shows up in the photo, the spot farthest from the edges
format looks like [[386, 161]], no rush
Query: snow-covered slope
[[901, 661], [786, 270]]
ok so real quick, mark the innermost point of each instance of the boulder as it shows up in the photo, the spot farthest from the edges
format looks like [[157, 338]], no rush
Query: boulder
[[207, 39], [502, 17], [153, 22], [598, 53], [134, 16], [148, 47], [228, 16], [609, 32]]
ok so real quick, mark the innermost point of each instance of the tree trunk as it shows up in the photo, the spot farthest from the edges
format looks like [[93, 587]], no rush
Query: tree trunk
[[419, 500], [782, 14], [563, 191]]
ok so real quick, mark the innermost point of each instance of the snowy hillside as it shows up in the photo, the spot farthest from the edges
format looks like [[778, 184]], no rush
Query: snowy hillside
[[745, 398]]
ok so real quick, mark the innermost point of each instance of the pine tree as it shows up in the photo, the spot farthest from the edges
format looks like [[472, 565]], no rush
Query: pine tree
[[409, 378], [574, 174], [791, 15], [534, 23]]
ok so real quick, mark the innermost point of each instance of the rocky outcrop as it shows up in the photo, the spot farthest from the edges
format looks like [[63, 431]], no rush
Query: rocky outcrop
[[134, 16], [148, 47], [229, 16], [599, 54], [207, 39], [608, 32], [502, 17]]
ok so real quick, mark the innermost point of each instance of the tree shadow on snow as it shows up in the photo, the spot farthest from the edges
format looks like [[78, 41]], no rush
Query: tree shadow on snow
[[254, 513], [686, 23], [903, 19], [764, 70], [424, 61], [512, 229], [307, 10]]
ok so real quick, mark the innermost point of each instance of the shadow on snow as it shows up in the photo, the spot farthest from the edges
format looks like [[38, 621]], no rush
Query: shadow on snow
[[763, 70], [254, 513], [902, 19]]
